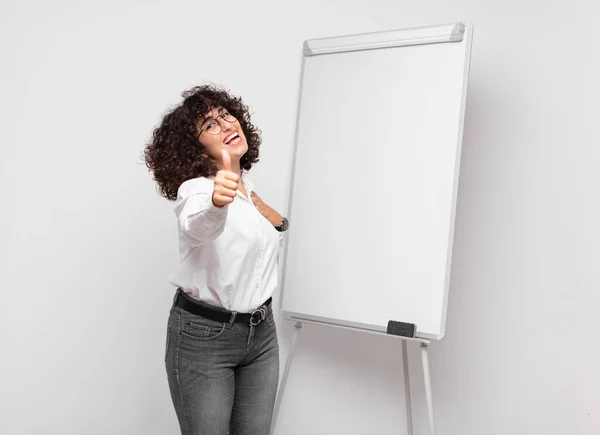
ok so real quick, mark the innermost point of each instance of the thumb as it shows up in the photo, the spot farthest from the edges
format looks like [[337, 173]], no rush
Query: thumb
[[226, 160]]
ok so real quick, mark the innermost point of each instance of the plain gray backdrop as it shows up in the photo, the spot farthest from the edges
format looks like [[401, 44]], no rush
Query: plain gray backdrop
[[87, 244]]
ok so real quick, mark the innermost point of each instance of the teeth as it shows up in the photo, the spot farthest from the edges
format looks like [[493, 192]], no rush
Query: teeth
[[233, 136]]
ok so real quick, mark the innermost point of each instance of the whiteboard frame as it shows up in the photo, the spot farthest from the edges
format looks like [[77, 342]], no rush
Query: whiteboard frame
[[392, 38], [444, 33]]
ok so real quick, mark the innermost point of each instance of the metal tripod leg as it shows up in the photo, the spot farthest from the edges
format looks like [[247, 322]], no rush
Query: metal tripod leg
[[408, 400], [407, 395], [428, 395]]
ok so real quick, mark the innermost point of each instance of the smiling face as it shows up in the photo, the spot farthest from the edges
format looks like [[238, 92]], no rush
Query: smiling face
[[219, 130]]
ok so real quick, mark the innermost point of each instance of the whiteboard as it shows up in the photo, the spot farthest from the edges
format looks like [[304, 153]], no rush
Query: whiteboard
[[375, 177]]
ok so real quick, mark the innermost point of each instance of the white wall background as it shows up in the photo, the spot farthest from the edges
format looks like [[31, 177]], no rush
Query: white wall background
[[87, 243]]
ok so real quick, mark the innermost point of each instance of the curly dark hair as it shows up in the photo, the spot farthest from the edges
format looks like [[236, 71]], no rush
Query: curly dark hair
[[175, 155]]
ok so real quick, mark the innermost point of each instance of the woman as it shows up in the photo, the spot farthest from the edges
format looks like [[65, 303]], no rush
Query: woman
[[222, 354]]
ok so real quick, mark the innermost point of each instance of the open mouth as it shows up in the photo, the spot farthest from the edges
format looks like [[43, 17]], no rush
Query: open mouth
[[233, 139]]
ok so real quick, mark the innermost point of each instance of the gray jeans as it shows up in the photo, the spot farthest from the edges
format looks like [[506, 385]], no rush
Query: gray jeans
[[223, 376]]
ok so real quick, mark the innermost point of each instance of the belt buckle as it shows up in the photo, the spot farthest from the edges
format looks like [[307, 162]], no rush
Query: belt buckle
[[261, 314]]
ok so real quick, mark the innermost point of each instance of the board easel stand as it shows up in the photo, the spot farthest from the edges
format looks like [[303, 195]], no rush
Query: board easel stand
[[449, 94], [424, 345]]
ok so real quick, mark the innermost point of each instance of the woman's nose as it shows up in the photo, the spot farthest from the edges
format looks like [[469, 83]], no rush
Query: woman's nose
[[225, 126]]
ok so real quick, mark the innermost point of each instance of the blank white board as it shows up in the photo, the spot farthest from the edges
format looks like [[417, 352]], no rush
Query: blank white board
[[375, 177]]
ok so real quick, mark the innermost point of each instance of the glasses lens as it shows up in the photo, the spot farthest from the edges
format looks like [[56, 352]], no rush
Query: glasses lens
[[212, 126], [228, 117]]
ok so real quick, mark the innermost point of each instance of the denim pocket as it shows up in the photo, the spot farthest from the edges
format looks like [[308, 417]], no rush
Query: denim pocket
[[203, 329]]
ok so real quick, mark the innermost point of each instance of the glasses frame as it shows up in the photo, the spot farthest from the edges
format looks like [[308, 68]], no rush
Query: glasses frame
[[220, 115]]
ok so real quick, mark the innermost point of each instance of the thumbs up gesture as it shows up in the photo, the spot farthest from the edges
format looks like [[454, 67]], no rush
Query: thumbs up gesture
[[226, 183]]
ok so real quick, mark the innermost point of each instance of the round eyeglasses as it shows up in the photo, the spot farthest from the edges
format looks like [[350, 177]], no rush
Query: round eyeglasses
[[213, 125]]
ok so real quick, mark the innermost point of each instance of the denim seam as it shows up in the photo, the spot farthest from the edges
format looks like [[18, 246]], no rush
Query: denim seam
[[168, 341], [251, 339], [232, 319], [176, 369]]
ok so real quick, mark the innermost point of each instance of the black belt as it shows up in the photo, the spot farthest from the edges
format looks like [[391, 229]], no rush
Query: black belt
[[185, 302]]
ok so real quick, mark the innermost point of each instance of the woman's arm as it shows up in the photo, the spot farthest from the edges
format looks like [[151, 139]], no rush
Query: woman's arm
[[267, 211], [199, 220]]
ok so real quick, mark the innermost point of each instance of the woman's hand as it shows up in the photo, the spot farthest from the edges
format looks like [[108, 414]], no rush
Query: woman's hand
[[226, 183], [268, 212]]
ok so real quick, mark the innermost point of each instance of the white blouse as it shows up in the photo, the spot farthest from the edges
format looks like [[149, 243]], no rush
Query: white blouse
[[228, 255]]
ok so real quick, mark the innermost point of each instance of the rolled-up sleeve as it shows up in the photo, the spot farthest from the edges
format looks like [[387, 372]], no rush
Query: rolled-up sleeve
[[198, 219], [282, 235], [281, 238]]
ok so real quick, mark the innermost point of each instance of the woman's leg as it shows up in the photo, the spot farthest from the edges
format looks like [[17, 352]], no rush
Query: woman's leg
[[256, 380], [200, 361]]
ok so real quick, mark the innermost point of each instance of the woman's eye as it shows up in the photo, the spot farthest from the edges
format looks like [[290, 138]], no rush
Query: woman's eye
[[224, 115], [209, 125]]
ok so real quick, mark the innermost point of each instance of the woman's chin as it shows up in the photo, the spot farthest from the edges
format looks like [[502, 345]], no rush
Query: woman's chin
[[238, 152]]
